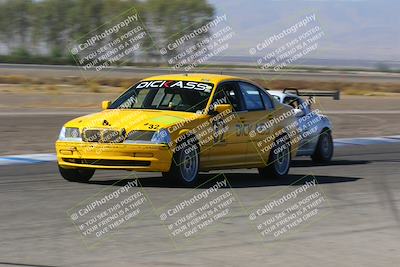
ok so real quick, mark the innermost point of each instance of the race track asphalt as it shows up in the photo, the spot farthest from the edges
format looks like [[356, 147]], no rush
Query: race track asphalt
[[359, 225]]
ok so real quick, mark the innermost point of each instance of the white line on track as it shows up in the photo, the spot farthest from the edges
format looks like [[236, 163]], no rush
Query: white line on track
[[367, 140], [341, 142], [361, 112], [27, 159]]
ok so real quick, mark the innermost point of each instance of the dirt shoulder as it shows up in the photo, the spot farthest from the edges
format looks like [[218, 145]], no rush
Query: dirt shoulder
[[14, 97]]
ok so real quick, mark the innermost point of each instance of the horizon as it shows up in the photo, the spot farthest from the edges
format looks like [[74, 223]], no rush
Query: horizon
[[355, 30]]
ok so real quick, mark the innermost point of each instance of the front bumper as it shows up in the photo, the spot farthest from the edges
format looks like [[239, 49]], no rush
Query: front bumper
[[135, 157]]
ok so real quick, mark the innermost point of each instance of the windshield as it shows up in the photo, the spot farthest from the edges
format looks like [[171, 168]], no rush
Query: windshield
[[187, 96]]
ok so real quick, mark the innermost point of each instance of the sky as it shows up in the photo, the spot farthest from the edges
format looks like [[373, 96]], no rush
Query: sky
[[354, 29]]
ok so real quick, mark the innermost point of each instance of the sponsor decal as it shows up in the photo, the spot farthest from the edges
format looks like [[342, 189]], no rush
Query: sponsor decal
[[205, 87]]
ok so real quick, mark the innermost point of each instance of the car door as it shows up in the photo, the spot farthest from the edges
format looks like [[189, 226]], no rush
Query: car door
[[307, 121], [258, 111], [229, 148]]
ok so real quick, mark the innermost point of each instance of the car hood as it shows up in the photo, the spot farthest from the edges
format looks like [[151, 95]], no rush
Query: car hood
[[132, 119]]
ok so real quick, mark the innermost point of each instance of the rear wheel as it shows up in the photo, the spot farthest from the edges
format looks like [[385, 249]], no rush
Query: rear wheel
[[76, 175], [324, 150], [279, 160], [185, 166]]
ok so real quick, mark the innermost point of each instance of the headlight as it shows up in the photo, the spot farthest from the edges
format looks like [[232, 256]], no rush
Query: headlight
[[146, 137], [70, 134], [161, 137]]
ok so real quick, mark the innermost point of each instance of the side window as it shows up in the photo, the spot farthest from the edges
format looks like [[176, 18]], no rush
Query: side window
[[251, 96], [267, 100], [227, 94]]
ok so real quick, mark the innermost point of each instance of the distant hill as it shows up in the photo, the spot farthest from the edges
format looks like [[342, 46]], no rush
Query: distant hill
[[358, 29]]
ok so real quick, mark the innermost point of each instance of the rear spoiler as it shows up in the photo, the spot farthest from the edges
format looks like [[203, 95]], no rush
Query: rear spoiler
[[334, 94]]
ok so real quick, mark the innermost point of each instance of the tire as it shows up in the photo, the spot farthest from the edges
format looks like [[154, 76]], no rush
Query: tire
[[185, 166], [324, 149], [76, 175], [279, 159]]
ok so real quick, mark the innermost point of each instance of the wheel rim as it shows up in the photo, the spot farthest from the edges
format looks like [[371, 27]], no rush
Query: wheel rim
[[282, 160], [189, 165]]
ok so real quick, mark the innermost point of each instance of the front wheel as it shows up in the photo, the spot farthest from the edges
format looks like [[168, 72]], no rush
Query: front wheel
[[76, 175], [185, 166], [324, 150], [279, 160]]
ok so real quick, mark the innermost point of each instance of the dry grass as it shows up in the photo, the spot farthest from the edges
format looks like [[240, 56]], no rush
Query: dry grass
[[101, 85], [15, 79], [51, 87], [73, 80], [348, 88], [93, 87]]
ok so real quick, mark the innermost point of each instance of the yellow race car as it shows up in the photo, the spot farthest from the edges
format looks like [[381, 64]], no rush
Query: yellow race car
[[180, 125]]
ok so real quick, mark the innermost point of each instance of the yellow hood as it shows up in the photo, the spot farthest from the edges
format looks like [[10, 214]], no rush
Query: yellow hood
[[132, 119]]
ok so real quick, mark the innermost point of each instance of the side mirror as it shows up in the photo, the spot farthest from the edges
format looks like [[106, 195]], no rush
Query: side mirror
[[298, 112], [105, 104], [222, 107]]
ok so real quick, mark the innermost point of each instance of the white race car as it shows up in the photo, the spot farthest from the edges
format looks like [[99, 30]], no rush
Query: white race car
[[315, 129]]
